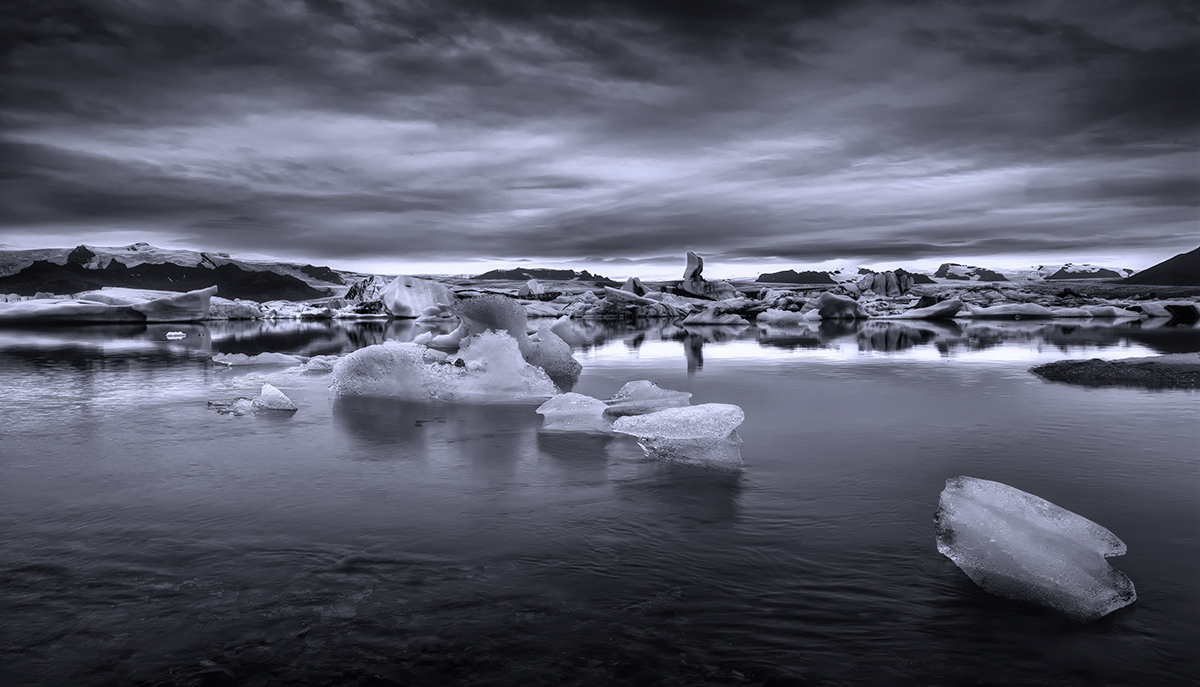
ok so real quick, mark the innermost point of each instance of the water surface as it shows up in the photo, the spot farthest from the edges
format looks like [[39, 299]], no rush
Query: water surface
[[147, 539]]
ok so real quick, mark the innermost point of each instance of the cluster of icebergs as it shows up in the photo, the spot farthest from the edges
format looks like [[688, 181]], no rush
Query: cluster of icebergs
[[664, 422], [691, 301], [1011, 543]]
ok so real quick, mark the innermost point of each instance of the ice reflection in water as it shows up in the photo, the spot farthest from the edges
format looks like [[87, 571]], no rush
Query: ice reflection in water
[[147, 540]]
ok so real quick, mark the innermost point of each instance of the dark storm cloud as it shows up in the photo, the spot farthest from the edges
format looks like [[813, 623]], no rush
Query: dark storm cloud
[[800, 130]]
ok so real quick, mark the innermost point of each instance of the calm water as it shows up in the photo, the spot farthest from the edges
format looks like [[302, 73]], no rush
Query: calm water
[[147, 539]]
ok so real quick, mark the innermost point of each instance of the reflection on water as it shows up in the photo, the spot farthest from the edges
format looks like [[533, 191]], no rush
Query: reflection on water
[[309, 338], [145, 539]]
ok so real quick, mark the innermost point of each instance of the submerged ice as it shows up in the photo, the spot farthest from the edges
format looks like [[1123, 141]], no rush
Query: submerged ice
[[1019, 546], [702, 435]]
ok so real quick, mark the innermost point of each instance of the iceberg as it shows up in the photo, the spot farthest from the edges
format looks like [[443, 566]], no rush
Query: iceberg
[[497, 313], [786, 318], [233, 359], [1018, 546], [713, 315], [574, 413], [489, 368], [831, 306], [502, 314], [551, 353], [225, 309], [271, 398], [320, 363], [113, 305], [940, 311], [1109, 311], [702, 435], [643, 396], [530, 288], [410, 296], [1012, 311]]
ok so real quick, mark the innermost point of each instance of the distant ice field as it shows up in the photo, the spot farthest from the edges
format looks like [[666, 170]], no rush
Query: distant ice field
[[147, 537]]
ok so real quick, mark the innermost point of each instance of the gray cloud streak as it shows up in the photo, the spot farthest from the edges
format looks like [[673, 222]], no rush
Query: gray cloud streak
[[802, 131]]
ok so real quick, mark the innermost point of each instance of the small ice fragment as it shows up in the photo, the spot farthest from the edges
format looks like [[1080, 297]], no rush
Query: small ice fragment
[[232, 359], [320, 363], [273, 399], [643, 396], [1018, 546], [176, 335], [574, 413], [702, 435]]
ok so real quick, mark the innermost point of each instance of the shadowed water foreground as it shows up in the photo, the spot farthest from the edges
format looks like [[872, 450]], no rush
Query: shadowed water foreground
[[146, 539]]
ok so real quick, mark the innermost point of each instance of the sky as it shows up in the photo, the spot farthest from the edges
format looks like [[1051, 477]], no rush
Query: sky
[[395, 136]]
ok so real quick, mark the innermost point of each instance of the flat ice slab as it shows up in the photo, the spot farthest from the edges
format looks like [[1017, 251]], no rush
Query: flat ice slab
[[1018, 546], [643, 396], [572, 412], [700, 435], [236, 359]]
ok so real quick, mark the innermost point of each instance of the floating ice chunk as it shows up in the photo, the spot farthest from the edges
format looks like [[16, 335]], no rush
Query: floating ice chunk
[[410, 296], [437, 313], [1012, 311], [784, 318], [642, 396], [273, 399], [553, 355], [489, 368], [1109, 311], [1070, 312], [712, 315], [176, 335], [567, 331], [232, 359], [238, 406], [831, 306], [696, 435], [1018, 546], [575, 413], [940, 311], [320, 363], [497, 313], [530, 288]]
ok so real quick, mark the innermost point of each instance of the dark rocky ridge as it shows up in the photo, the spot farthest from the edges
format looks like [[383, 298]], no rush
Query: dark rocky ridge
[[1181, 270], [323, 273], [983, 273], [527, 273], [1099, 273], [231, 281], [794, 277]]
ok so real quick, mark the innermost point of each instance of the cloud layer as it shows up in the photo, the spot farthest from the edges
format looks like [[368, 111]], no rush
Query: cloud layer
[[802, 131]]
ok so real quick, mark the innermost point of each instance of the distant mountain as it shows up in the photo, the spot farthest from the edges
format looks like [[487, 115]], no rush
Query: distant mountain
[[133, 255], [527, 273], [1181, 270], [953, 270], [794, 277], [1069, 271], [231, 281]]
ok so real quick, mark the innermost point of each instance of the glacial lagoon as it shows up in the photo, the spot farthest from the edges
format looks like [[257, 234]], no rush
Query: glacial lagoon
[[148, 538]]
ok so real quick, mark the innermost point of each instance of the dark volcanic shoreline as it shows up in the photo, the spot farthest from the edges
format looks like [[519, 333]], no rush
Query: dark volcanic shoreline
[[1180, 371]]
